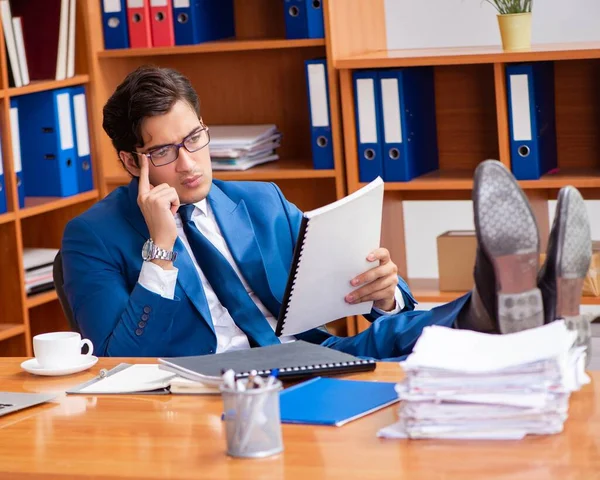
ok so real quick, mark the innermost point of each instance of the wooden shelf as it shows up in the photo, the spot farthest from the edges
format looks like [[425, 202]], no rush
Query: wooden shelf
[[38, 205], [41, 298], [278, 170], [579, 178], [7, 217], [426, 290], [212, 47], [443, 180], [9, 330], [468, 55], [43, 85]]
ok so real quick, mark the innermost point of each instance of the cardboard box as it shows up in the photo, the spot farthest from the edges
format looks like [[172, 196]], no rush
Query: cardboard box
[[591, 283], [456, 258]]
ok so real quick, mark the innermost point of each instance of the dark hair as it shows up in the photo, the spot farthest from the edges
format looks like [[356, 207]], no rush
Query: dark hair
[[145, 92]]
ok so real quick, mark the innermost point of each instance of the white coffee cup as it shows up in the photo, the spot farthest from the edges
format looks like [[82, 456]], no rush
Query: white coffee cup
[[59, 349]]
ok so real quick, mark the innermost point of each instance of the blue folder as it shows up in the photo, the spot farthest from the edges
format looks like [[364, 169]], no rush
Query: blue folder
[[334, 401], [408, 123], [114, 24], [320, 120], [85, 177], [303, 19], [531, 113], [315, 27], [367, 106], [16, 140], [200, 21], [48, 144]]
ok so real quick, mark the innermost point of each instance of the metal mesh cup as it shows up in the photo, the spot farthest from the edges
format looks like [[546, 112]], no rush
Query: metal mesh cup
[[252, 421]]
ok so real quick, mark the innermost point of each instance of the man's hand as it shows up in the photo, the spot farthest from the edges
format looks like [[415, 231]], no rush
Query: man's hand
[[158, 205], [378, 284]]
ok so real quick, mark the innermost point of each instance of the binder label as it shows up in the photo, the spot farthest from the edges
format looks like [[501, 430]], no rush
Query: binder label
[[112, 6], [135, 3], [158, 3], [64, 120], [318, 95], [181, 3], [81, 125], [367, 119], [392, 126], [16, 138], [520, 107]]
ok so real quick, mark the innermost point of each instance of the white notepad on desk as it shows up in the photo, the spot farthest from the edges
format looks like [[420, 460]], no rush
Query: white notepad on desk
[[142, 379], [331, 250]]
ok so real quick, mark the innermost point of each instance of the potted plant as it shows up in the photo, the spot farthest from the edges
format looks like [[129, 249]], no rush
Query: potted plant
[[514, 20]]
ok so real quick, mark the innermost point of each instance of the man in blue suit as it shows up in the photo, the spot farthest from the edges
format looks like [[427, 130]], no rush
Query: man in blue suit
[[178, 263]]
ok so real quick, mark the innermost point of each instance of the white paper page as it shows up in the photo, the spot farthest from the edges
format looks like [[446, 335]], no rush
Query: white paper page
[[338, 239], [468, 351], [132, 379], [397, 430], [239, 135]]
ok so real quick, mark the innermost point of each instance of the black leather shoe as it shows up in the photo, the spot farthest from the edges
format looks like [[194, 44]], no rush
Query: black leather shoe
[[568, 257], [506, 297]]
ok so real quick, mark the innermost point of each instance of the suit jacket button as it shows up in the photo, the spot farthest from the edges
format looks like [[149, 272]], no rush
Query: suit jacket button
[[139, 331], [147, 309], [145, 317], [141, 324]]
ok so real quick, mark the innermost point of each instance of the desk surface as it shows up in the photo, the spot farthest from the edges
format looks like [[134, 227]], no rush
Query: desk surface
[[177, 436]]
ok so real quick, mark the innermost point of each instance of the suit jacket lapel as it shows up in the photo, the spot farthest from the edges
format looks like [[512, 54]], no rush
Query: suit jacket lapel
[[187, 278], [236, 227]]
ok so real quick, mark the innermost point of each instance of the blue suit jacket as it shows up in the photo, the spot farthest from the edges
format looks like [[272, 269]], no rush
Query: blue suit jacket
[[101, 252]]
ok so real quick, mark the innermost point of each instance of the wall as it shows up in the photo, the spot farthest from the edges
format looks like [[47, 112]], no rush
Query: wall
[[454, 23]]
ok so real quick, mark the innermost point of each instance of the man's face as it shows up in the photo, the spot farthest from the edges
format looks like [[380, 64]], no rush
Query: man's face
[[191, 173]]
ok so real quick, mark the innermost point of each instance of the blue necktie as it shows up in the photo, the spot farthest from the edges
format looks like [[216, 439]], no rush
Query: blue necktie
[[227, 284]]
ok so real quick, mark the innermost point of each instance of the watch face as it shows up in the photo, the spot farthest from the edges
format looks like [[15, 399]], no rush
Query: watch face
[[146, 250]]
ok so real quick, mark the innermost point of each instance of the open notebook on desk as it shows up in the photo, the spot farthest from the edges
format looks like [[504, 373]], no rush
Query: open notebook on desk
[[332, 248], [128, 378]]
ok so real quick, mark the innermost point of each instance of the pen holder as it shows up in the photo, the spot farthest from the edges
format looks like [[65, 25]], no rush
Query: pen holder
[[252, 421]]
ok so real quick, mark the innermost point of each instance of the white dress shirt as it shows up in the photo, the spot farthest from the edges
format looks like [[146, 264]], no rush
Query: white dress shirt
[[162, 282]]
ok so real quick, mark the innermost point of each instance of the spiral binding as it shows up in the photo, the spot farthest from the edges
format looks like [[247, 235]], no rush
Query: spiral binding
[[307, 369], [289, 288]]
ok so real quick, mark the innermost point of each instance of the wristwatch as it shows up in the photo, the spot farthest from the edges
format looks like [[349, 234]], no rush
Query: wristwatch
[[151, 251]]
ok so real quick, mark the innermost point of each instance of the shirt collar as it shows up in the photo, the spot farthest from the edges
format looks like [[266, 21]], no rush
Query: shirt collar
[[202, 205]]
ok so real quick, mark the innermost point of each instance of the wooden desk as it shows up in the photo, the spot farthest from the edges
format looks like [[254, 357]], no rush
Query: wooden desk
[[183, 437]]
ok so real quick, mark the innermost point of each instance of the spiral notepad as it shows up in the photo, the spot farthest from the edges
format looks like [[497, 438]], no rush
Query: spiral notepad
[[332, 248], [294, 360]]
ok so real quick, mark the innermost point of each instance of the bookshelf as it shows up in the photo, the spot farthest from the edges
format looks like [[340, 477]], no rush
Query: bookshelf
[[256, 77], [40, 223], [472, 120]]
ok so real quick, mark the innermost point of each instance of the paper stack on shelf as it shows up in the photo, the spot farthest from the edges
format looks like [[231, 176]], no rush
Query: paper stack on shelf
[[467, 385], [37, 263], [240, 147]]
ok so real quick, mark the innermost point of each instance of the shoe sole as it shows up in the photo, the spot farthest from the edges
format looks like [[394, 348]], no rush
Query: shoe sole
[[508, 233], [574, 251]]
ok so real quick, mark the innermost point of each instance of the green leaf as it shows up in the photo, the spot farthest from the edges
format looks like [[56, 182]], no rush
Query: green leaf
[[511, 6]]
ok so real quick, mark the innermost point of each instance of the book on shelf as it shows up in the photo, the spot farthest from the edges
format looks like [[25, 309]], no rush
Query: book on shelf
[[38, 264], [240, 147]]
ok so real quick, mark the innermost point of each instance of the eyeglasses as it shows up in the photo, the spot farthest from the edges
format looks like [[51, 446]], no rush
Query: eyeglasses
[[166, 154]]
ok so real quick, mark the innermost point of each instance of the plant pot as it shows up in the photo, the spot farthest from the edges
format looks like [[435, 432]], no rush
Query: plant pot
[[515, 30]]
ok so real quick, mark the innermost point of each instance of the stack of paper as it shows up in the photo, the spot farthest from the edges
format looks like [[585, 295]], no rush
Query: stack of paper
[[38, 263], [240, 147], [468, 385]]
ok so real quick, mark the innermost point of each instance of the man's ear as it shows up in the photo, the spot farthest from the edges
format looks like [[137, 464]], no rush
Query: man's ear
[[131, 163]]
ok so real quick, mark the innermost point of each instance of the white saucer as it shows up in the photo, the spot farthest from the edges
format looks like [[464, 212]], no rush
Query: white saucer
[[83, 363]]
